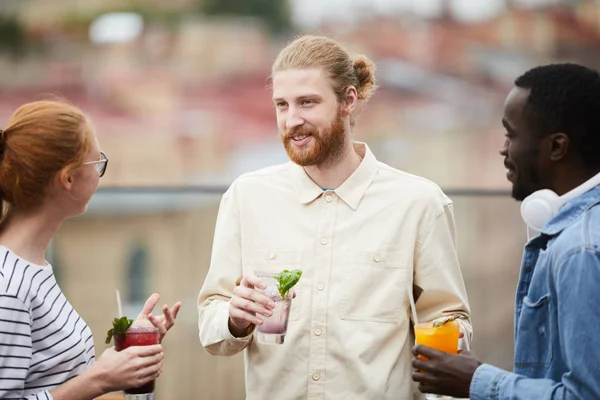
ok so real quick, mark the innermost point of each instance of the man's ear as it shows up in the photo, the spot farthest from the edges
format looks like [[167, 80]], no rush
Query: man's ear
[[558, 146], [349, 101]]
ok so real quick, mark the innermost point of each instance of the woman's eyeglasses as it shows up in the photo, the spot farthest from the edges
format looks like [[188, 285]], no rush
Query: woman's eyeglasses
[[100, 164]]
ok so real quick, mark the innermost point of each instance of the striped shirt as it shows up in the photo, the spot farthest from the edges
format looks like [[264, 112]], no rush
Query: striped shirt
[[43, 341]]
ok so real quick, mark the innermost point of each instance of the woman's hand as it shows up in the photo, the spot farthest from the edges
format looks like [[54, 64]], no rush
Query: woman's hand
[[129, 368], [163, 322]]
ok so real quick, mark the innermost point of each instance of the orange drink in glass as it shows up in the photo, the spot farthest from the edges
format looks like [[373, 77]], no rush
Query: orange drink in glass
[[443, 338]]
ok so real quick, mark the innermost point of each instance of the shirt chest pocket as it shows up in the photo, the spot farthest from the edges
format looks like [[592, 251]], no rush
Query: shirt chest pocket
[[533, 349], [374, 286], [272, 260]]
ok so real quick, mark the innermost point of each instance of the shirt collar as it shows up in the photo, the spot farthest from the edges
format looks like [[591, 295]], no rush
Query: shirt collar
[[572, 210], [351, 191]]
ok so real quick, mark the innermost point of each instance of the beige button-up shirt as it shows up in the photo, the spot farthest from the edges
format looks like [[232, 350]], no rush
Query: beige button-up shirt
[[361, 248]]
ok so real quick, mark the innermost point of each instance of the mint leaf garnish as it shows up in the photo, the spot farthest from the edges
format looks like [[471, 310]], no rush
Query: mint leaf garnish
[[287, 280], [446, 320], [120, 325]]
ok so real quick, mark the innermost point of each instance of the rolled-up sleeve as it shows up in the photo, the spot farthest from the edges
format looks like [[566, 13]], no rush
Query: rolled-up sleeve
[[437, 272]]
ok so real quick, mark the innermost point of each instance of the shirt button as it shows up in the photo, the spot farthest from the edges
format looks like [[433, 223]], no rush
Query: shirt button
[[320, 286], [377, 258], [271, 255], [328, 199], [324, 241], [318, 332], [316, 376]]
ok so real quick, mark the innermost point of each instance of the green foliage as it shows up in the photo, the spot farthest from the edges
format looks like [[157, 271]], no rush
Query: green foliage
[[12, 35], [275, 13]]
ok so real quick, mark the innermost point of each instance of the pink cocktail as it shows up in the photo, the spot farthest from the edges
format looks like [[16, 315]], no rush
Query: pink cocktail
[[274, 328]]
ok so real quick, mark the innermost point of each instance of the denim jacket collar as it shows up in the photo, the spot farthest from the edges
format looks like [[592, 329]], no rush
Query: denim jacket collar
[[571, 211]]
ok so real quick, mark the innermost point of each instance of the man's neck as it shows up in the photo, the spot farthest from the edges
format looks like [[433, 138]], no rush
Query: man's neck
[[569, 179], [333, 175]]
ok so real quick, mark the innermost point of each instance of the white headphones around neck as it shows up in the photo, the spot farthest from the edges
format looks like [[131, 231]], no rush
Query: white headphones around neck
[[541, 206]]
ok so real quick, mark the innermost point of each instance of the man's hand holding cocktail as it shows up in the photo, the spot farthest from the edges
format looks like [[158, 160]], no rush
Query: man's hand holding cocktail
[[246, 304], [443, 373]]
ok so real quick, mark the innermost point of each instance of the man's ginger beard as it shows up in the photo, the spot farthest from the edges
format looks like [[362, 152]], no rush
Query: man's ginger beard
[[326, 147]]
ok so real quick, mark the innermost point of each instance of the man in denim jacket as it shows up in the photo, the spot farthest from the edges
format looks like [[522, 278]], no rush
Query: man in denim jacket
[[552, 121]]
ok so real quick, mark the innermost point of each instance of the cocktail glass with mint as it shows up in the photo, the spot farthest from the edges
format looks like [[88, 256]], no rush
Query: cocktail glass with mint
[[278, 288], [127, 334]]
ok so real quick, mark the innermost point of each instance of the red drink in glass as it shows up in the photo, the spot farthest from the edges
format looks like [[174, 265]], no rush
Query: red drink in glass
[[137, 336]]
